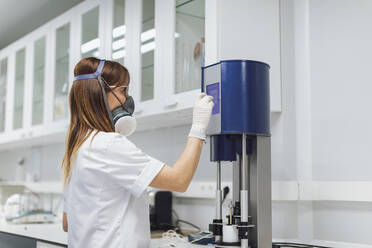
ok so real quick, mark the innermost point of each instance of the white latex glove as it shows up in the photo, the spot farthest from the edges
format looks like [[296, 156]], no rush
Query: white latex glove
[[201, 116]]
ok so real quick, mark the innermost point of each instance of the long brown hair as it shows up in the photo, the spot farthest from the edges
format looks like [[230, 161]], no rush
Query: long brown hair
[[87, 107]]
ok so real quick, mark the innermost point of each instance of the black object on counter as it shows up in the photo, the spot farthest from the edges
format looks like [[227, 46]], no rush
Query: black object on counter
[[161, 211]]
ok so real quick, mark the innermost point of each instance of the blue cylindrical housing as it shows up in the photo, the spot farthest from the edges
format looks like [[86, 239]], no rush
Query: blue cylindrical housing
[[244, 98]]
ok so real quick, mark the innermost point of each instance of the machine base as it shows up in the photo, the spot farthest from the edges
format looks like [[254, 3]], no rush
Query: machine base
[[223, 244], [226, 246]]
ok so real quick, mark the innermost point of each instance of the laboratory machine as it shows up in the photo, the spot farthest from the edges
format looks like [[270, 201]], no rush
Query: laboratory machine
[[239, 133]]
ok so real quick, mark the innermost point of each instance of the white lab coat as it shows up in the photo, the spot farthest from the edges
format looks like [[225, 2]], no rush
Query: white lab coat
[[105, 199]]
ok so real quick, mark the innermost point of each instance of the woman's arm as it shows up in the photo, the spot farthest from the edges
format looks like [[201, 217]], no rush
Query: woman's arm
[[64, 222], [178, 177]]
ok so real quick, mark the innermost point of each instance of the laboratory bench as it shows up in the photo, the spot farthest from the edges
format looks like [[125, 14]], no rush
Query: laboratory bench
[[52, 236], [48, 236], [32, 235]]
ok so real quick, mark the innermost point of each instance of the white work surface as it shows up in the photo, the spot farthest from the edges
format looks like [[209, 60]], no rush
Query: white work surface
[[54, 233], [48, 232]]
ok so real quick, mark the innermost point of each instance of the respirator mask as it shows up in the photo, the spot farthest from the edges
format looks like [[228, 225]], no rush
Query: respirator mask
[[121, 118]]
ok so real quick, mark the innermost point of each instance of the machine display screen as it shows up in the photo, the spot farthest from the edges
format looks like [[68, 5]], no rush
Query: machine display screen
[[214, 90]]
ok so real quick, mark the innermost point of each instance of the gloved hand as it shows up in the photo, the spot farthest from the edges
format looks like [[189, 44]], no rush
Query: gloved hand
[[201, 116]]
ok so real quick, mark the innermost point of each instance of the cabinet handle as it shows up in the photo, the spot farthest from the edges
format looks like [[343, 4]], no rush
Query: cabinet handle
[[64, 88], [171, 103], [139, 111]]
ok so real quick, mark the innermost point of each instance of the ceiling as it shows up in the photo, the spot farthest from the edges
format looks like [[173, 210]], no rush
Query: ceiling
[[19, 17]]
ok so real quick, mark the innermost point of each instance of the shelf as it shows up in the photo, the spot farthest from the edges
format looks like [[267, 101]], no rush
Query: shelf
[[41, 232], [54, 187], [57, 134]]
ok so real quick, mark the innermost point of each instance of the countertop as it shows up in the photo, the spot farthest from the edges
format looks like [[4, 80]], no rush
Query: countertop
[[53, 233], [44, 232]]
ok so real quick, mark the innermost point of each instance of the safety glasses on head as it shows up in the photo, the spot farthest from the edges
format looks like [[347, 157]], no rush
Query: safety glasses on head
[[123, 89]]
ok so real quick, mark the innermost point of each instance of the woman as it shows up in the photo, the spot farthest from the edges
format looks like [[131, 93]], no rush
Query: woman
[[106, 175]]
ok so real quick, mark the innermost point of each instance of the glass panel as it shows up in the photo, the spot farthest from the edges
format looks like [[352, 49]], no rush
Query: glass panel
[[61, 73], [3, 80], [38, 87], [19, 89], [118, 32], [190, 20], [89, 34], [147, 49]]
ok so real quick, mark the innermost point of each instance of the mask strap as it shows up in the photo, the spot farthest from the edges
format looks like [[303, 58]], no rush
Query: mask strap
[[117, 98], [100, 79], [97, 73]]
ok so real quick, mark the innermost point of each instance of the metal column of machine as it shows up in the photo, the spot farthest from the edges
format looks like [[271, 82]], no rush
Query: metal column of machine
[[239, 132]]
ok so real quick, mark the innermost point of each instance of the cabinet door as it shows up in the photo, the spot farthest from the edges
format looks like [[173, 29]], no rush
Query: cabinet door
[[19, 89], [181, 52], [61, 80], [3, 82], [90, 42], [38, 81], [147, 50], [118, 31], [189, 44]]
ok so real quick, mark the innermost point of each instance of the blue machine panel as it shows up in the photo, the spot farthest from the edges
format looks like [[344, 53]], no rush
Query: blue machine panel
[[211, 81], [214, 90]]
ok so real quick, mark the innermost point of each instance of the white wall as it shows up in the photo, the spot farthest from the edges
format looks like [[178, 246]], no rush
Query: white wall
[[47, 160], [340, 45], [341, 89], [343, 221], [323, 131]]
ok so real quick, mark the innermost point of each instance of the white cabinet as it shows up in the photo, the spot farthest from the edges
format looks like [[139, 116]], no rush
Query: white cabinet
[[38, 80], [118, 36], [161, 42], [90, 41], [171, 51], [3, 90], [19, 89], [148, 46], [61, 79], [189, 44], [34, 91], [5, 106]]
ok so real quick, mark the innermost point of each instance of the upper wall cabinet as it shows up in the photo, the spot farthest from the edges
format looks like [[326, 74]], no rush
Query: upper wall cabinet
[[118, 31], [19, 88], [61, 80], [3, 91], [189, 48], [38, 81], [160, 42], [148, 47], [163, 43], [171, 50], [90, 41]]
